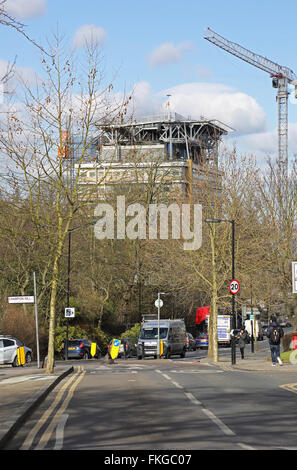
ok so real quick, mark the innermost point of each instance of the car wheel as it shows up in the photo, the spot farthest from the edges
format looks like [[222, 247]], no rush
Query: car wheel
[[15, 362], [28, 358], [183, 354]]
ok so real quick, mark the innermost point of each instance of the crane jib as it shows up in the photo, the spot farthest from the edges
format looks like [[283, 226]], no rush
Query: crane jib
[[274, 69]]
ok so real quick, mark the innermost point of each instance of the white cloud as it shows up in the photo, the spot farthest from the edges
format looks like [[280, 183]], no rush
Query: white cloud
[[25, 8], [88, 33], [215, 101], [168, 53]]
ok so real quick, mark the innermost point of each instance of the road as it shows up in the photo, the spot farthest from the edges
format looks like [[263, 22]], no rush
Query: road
[[177, 404]]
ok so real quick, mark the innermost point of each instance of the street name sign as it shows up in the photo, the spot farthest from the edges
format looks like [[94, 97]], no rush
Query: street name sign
[[21, 299]]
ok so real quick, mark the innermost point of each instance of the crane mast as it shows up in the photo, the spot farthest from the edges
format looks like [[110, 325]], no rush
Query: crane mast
[[281, 77]]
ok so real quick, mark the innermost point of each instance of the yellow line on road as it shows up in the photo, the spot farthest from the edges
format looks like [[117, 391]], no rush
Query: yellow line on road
[[48, 432], [290, 387], [31, 436]]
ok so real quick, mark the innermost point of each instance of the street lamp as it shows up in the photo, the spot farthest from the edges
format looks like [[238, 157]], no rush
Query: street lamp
[[234, 320], [70, 230]]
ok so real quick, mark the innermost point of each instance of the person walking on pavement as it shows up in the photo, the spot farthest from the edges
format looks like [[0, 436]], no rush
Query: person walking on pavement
[[242, 339], [274, 334]]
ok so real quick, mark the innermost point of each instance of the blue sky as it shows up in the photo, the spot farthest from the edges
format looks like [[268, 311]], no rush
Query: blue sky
[[159, 47]]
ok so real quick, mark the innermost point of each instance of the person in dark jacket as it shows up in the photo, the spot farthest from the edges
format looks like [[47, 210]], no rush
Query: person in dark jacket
[[242, 339], [274, 334]]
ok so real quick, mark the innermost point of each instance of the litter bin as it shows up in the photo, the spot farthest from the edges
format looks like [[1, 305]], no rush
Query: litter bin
[[294, 338]]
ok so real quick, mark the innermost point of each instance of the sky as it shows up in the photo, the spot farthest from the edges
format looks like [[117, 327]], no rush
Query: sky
[[158, 48]]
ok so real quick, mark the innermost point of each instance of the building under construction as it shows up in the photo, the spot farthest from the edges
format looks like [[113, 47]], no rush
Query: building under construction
[[175, 151]]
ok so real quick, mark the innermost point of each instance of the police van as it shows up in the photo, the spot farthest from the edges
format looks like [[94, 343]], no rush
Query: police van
[[172, 335]]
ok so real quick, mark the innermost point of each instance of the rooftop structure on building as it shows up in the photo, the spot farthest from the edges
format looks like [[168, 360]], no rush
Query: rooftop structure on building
[[179, 150]]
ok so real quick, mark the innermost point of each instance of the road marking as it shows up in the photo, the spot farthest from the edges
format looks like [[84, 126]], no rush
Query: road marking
[[195, 371], [225, 429], [176, 384], [166, 376], [60, 432], [290, 387], [246, 446], [15, 380], [193, 399], [31, 436], [49, 430]]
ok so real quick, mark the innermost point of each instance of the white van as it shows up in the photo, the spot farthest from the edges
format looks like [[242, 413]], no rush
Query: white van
[[172, 334]]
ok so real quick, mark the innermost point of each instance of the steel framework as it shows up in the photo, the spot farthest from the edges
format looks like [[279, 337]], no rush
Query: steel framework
[[281, 77]]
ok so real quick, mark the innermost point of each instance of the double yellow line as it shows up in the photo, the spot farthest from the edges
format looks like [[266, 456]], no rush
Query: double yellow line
[[70, 385], [290, 387]]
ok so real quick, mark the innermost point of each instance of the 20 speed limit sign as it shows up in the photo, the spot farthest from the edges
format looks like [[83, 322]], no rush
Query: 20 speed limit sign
[[234, 286]]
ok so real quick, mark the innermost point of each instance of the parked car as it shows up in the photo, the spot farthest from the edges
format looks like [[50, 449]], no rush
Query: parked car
[[80, 349], [202, 340], [127, 346], [191, 343], [8, 350]]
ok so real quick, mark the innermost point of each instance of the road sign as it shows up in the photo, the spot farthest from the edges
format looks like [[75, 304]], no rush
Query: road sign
[[234, 286], [21, 299], [114, 350], [159, 303], [21, 356], [93, 349], [69, 312], [294, 277]]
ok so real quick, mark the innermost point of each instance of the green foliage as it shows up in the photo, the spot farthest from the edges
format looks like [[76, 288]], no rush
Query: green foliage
[[73, 332], [133, 333], [102, 339]]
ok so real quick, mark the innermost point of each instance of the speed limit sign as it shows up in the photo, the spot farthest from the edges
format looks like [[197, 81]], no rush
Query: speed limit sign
[[234, 286]]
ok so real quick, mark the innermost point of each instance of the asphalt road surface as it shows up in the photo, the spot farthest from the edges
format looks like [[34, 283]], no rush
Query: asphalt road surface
[[164, 405]]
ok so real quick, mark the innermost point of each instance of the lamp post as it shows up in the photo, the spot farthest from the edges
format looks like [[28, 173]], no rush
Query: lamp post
[[234, 316], [70, 230]]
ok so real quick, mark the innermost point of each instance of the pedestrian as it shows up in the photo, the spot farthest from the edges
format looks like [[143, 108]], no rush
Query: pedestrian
[[242, 339], [274, 334]]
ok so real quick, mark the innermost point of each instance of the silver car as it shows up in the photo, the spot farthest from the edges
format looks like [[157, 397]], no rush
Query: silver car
[[9, 351]]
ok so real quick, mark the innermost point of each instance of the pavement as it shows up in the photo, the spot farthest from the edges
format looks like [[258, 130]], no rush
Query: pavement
[[22, 389], [253, 362]]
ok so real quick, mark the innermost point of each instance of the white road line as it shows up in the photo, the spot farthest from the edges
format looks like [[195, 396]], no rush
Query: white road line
[[166, 376], [15, 380], [193, 399], [246, 446], [218, 422], [30, 438], [60, 432], [225, 429], [48, 432], [177, 384]]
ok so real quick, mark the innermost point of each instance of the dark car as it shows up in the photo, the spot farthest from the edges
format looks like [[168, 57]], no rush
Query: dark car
[[191, 343], [202, 340], [127, 347], [80, 349]]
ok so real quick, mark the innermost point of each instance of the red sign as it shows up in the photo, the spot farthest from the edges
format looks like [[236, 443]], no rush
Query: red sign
[[201, 314], [234, 286]]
